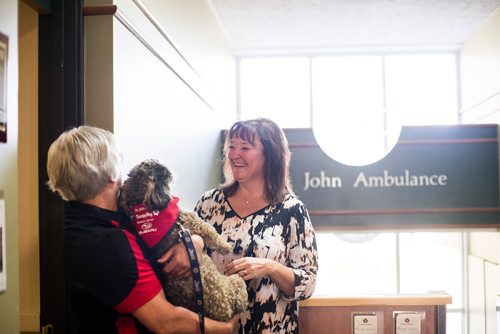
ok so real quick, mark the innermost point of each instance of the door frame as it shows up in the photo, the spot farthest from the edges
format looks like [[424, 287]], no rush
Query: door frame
[[60, 107]]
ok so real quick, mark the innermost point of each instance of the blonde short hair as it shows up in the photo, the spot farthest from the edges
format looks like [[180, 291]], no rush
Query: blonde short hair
[[81, 162]]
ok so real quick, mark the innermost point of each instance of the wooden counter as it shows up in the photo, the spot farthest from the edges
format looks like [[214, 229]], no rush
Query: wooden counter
[[334, 314]]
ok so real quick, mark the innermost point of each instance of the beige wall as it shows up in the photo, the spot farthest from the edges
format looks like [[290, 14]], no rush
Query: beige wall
[[166, 87], [29, 267], [480, 73], [9, 300], [156, 115], [480, 70]]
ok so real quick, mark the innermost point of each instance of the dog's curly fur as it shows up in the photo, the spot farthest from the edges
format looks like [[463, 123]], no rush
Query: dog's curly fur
[[224, 296]]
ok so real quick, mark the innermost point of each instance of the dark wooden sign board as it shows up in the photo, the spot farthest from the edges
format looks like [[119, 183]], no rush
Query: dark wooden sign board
[[436, 176]]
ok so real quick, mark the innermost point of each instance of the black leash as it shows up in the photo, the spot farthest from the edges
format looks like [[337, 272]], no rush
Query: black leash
[[185, 236]]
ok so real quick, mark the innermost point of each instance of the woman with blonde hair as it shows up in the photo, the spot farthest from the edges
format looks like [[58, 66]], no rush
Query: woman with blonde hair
[[112, 282]]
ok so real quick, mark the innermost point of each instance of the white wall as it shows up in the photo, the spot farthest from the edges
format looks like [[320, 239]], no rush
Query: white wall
[[159, 103], [480, 70], [193, 24], [480, 73], [9, 300]]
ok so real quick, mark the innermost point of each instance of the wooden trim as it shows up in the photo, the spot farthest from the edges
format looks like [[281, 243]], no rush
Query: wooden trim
[[401, 211], [447, 141], [405, 227], [371, 300], [417, 142], [42, 7], [99, 10], [304, 145], [414, 126]]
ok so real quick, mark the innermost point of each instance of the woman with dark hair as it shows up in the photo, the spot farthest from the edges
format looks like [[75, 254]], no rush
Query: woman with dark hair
[[274, 241]]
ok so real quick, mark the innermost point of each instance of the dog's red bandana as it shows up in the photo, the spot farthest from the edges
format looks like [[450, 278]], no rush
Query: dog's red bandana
[[153, 225]]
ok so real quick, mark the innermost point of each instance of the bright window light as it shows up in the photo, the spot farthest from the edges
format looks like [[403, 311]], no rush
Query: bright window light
[[276, 88], [356, 265], [422, 89], [350, 120], [430, 262]]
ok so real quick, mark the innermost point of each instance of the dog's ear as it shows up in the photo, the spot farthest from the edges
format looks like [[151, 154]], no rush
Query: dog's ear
[[157, 195], [133, 188]]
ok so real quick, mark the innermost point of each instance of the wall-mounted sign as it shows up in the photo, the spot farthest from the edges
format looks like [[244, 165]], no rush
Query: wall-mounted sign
[[436, 176], [365, 323], [408, 323]]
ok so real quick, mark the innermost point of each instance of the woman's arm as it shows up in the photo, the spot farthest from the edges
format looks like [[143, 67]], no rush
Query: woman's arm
[[302, 254]]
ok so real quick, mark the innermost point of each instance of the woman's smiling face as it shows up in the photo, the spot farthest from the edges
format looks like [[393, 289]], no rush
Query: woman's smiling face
[[247, 159]]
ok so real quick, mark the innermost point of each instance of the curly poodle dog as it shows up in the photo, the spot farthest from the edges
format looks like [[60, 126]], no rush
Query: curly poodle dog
[[146, 198]]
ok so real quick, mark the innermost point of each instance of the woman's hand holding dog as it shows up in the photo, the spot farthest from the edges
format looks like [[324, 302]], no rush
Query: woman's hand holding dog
[[176, 259]]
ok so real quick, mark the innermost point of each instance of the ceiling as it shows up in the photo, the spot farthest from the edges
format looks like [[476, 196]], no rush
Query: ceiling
[[278, 25]]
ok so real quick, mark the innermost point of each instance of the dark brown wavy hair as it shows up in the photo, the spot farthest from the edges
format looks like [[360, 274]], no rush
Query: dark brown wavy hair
[[276, 155]]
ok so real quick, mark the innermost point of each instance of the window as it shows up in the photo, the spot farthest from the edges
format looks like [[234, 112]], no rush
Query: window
[[372, 92], [392, 263], [349, 115], [357, 264], [430, 262], [421, 89], [277, 88], [356, 104]]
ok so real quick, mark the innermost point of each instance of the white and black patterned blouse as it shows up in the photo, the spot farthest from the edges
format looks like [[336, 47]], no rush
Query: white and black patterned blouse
[[281, 232]]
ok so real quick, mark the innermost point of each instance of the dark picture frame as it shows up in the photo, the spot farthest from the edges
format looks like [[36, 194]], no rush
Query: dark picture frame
[[4, 47]]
